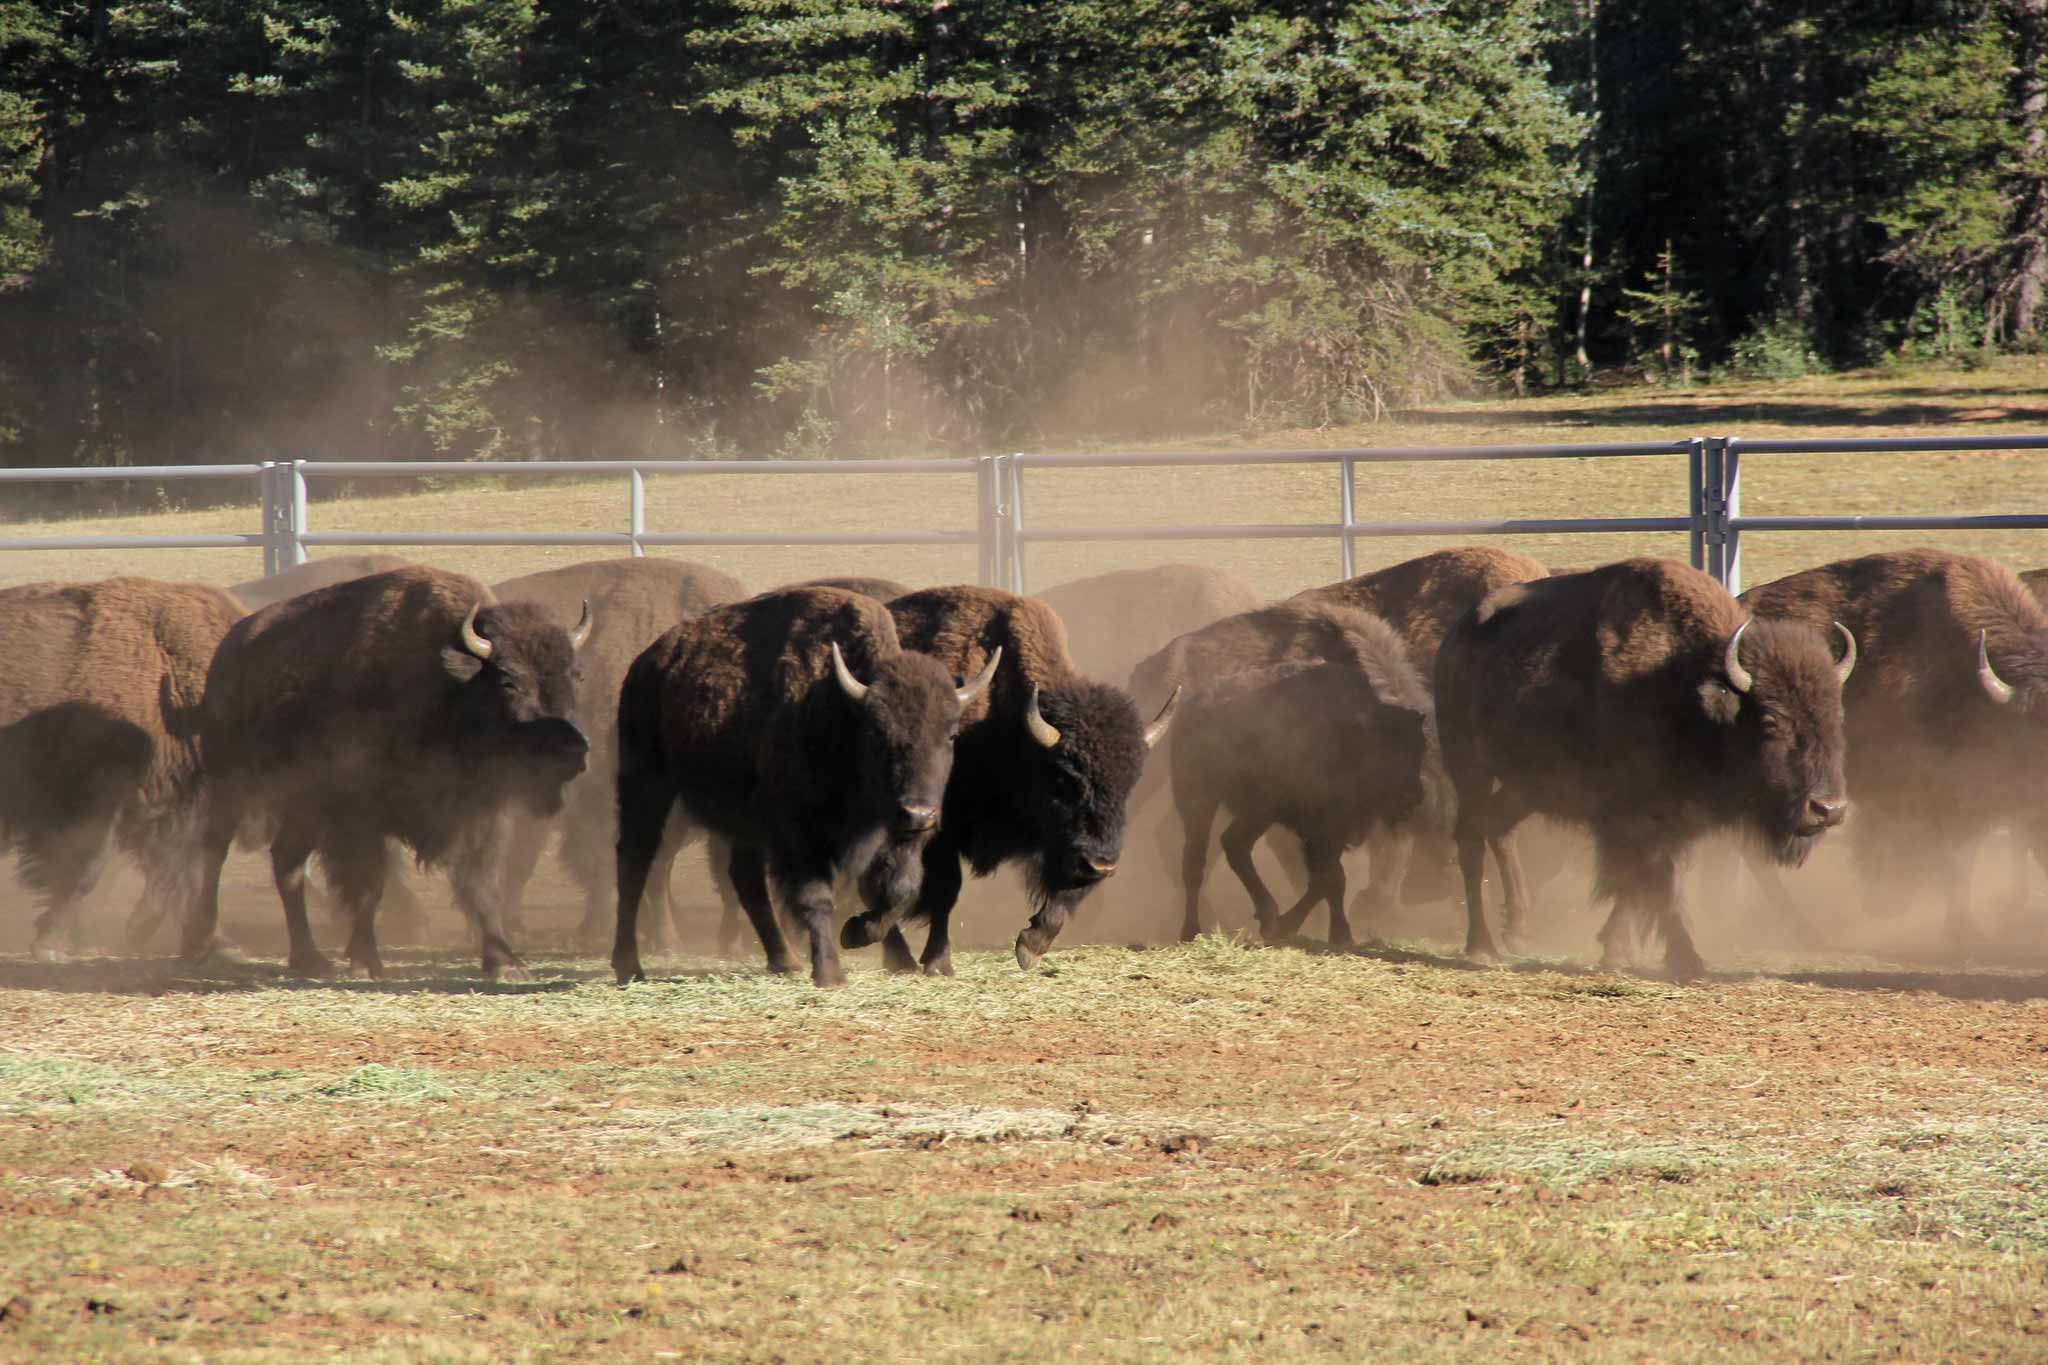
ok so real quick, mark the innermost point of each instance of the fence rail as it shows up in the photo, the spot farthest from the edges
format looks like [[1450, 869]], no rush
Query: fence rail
[[1713, 519]]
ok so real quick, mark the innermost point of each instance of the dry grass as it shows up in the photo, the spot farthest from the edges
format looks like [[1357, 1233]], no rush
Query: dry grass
[[2003, 398]]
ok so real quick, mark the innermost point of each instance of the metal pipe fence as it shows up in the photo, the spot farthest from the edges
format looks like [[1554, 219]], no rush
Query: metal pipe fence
[[1713, 520]]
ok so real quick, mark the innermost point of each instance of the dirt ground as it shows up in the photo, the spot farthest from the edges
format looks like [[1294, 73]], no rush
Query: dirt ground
[[1837, 1150]]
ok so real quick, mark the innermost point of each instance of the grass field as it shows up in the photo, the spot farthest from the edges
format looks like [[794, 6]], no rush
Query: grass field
[[1132, 1154]]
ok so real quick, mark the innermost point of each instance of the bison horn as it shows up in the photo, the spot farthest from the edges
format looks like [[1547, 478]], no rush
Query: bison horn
[[1995, 687], [982, 679], [1041, 730], [850, 685], [471, 640], [1738, 677], [1848, 661], [1156, 731], [582, 631]]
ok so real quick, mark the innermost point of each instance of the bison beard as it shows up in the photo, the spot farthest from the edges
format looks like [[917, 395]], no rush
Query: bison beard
[[1634, 700], [1041, 772], [754, 717], [406, 705]]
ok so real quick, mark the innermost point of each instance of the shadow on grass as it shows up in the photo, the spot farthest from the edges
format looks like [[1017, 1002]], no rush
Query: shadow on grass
[[2006, 987], [1732, 412]]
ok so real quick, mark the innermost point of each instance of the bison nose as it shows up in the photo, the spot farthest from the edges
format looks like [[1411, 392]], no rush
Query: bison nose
[[916, 819], [1827, 814], [1097, 868]]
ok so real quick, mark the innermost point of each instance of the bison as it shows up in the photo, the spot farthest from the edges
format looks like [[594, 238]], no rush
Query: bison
[[1041, 772], [1330, 751], [1948, 719], [258, 593], [100, 685], [1115, 620], [631, 601], [410, 705], [1638, 701], [755, 718]]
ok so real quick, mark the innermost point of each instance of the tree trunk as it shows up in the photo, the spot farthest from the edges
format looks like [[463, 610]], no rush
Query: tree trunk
[[1589, 15], [2030, 227]]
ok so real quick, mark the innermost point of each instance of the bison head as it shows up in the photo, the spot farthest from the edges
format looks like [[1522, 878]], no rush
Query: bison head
[[1077, 750], [1776, 699], [908, 714], [2014, 674], [515, 712]]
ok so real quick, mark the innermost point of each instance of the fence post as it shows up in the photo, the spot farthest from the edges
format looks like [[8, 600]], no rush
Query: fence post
[[636, 509], [1347, 499], [266, 492], [294, 506], [985, 521], [1015, 500], [1695, 511], [1731, 508], [1714, 507]]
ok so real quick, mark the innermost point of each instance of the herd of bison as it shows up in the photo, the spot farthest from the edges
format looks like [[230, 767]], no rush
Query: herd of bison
[[856, 736]]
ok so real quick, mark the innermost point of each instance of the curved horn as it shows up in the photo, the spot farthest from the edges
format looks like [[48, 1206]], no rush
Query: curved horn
[[1041, 730], [850, 685], [1848, 663], [1995, 687], [471, 640], [981, 680], [583, 625], [1738, 676], [1156, 731]]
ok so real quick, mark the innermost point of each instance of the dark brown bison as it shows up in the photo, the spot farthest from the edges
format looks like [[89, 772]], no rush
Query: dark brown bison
[[631, 602], [1636, 700], [1042, 770], [100, 686], [410, 705], [1948, 716], [881, 589], [796, 726], [1423, 598], [1115, 620], [1329, 751], [259, 593]]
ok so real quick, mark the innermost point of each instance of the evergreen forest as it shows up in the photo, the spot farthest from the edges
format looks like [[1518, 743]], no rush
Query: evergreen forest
[[515, 229]]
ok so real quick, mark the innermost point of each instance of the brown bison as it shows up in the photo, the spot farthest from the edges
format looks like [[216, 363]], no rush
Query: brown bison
[[796, 726], [100, 686], [1948, 717], [1114, 620], [1423, 598], [410, 705], [631, 602], [1636, 700], [1041, 772], [259, 593], [1329, 751]]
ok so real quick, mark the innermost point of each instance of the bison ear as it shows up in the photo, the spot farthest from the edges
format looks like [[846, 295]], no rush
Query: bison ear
[[1719, 701], [461, 664]]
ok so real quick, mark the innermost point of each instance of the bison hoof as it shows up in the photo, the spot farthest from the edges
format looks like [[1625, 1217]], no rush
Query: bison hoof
[[1482, 951], [940, 967], [311, 965], [507, 971], [857, 933], [49, 950], [828, 978], [626, 973], [1684, 966], [366, 971], [1027, 957]]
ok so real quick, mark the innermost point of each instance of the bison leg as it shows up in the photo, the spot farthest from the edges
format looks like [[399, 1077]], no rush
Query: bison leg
[[475, 875], [358, 862], [1238, 839], [747, 870], [1645, 889], [1325, 886], [811, 906], [173, 866], [289, 850], [645, 799], [1391, 849], [729, 911], [936, 896], [1471, 839], [1514, 887], [66, 864], [202, 923], [1197, 819]]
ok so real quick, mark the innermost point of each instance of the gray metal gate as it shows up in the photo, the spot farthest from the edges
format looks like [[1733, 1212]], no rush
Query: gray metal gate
[[1002, 534]]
